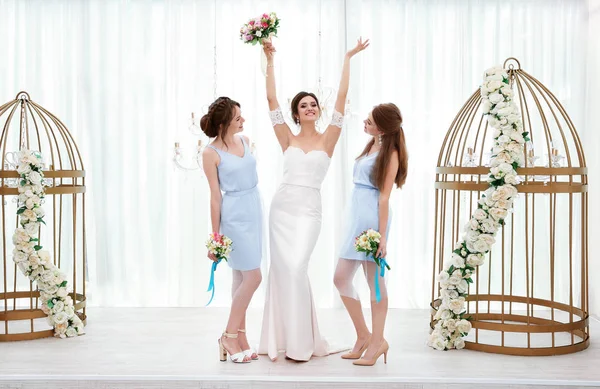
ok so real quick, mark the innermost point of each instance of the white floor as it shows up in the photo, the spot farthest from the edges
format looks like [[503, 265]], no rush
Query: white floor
[[177, 348]]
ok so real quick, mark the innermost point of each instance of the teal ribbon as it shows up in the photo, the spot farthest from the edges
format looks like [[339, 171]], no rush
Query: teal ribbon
[[211, 284], [382, 265]]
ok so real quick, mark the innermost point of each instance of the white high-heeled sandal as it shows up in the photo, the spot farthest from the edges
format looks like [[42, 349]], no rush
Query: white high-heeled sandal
[[237, 357], [250, 352]]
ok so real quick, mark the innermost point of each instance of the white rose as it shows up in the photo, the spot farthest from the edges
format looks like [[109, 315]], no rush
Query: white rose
[[69, 311], [495, 97], [442, 276], [31, 229], [52, 290], [458, 261], [506, 204], [472, 236], [506, 91], [482, 244], [498, 213], [501, 193], [459, 343], [486, 106], [489, 202], [50, 320], [60, 318], [35, 178], [450, 324], [62, 292], [34, 260], [28, 214], [500, 158], [506, 111], [495, 85], [496, 76], [19, 256], [511, 179], [503, 121], [437, 342], [58, 307], [71, 332], [464, 326], [39, 212], [479, 214], [489, 226], [23, 168], [497, 172], [457, 305], [454, 280], [503, 139], [47, 276], [463, 286], [473, 224], [445, 314], [44, 256], [60, 329]]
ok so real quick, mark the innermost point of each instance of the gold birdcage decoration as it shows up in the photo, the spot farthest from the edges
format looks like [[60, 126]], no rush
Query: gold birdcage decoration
[[27, 125], [531, 296]]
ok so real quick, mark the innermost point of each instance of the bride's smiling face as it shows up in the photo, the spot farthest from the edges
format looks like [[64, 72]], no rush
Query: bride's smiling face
[[308, 109]]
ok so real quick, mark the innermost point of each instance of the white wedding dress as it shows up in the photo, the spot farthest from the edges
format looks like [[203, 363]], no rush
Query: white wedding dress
[[290, 321]]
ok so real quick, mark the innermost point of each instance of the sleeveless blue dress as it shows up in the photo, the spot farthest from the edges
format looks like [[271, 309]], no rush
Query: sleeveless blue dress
[[241, 208], [363, 211]]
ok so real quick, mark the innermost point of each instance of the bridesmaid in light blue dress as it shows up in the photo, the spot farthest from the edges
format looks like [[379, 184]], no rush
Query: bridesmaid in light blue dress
[[236, 211], [383, 163]]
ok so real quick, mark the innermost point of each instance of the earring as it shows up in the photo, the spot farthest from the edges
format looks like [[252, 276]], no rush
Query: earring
[[380, 139]]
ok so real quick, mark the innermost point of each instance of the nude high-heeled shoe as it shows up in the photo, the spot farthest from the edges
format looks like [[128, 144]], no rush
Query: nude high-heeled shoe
[[383, 349], [357, 355]]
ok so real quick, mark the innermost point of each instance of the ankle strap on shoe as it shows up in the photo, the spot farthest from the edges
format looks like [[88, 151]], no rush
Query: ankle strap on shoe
[[233, 336]]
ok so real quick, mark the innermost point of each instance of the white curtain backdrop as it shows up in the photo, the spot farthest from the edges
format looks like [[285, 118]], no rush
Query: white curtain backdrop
[[125, 76]]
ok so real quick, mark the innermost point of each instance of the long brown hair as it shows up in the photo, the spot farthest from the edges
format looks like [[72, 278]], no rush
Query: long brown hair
[[218, 118], [388, 119]]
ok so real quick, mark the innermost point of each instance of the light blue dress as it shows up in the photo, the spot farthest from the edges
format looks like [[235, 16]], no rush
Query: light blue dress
[[363, 212], [241, 208]]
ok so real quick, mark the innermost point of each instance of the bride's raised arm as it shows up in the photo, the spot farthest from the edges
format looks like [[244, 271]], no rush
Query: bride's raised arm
[[282, 130], [333, 131]]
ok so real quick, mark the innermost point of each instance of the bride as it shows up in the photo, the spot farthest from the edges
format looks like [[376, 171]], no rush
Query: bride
[[289, 321]]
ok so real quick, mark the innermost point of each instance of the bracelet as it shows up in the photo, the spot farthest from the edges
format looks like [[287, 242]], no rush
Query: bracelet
[[270, 66]]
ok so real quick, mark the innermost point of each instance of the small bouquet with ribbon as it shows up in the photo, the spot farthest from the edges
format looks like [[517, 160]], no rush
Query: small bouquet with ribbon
[[368, 242], [220, 246], [260, 30]]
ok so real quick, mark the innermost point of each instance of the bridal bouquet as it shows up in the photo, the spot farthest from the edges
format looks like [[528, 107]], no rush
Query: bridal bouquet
[[221, 246], [260, 28], [368, 242]]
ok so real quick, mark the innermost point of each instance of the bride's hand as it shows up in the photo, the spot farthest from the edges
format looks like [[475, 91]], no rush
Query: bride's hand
[[382, 250], [360, 46], [269, 49], [212, 257]]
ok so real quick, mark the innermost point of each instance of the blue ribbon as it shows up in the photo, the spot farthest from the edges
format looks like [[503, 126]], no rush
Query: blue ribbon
[[211, 284], [382, 265]]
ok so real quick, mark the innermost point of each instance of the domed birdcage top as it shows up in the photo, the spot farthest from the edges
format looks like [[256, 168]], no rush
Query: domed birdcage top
[[554, 142], [27, 125]]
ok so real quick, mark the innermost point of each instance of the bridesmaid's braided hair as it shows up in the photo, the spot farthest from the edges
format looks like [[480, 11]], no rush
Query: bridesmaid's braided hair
[[219, 116]]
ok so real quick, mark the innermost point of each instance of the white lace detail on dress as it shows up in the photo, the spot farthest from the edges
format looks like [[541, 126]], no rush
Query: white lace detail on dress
[[276, 116], [337, 119]]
